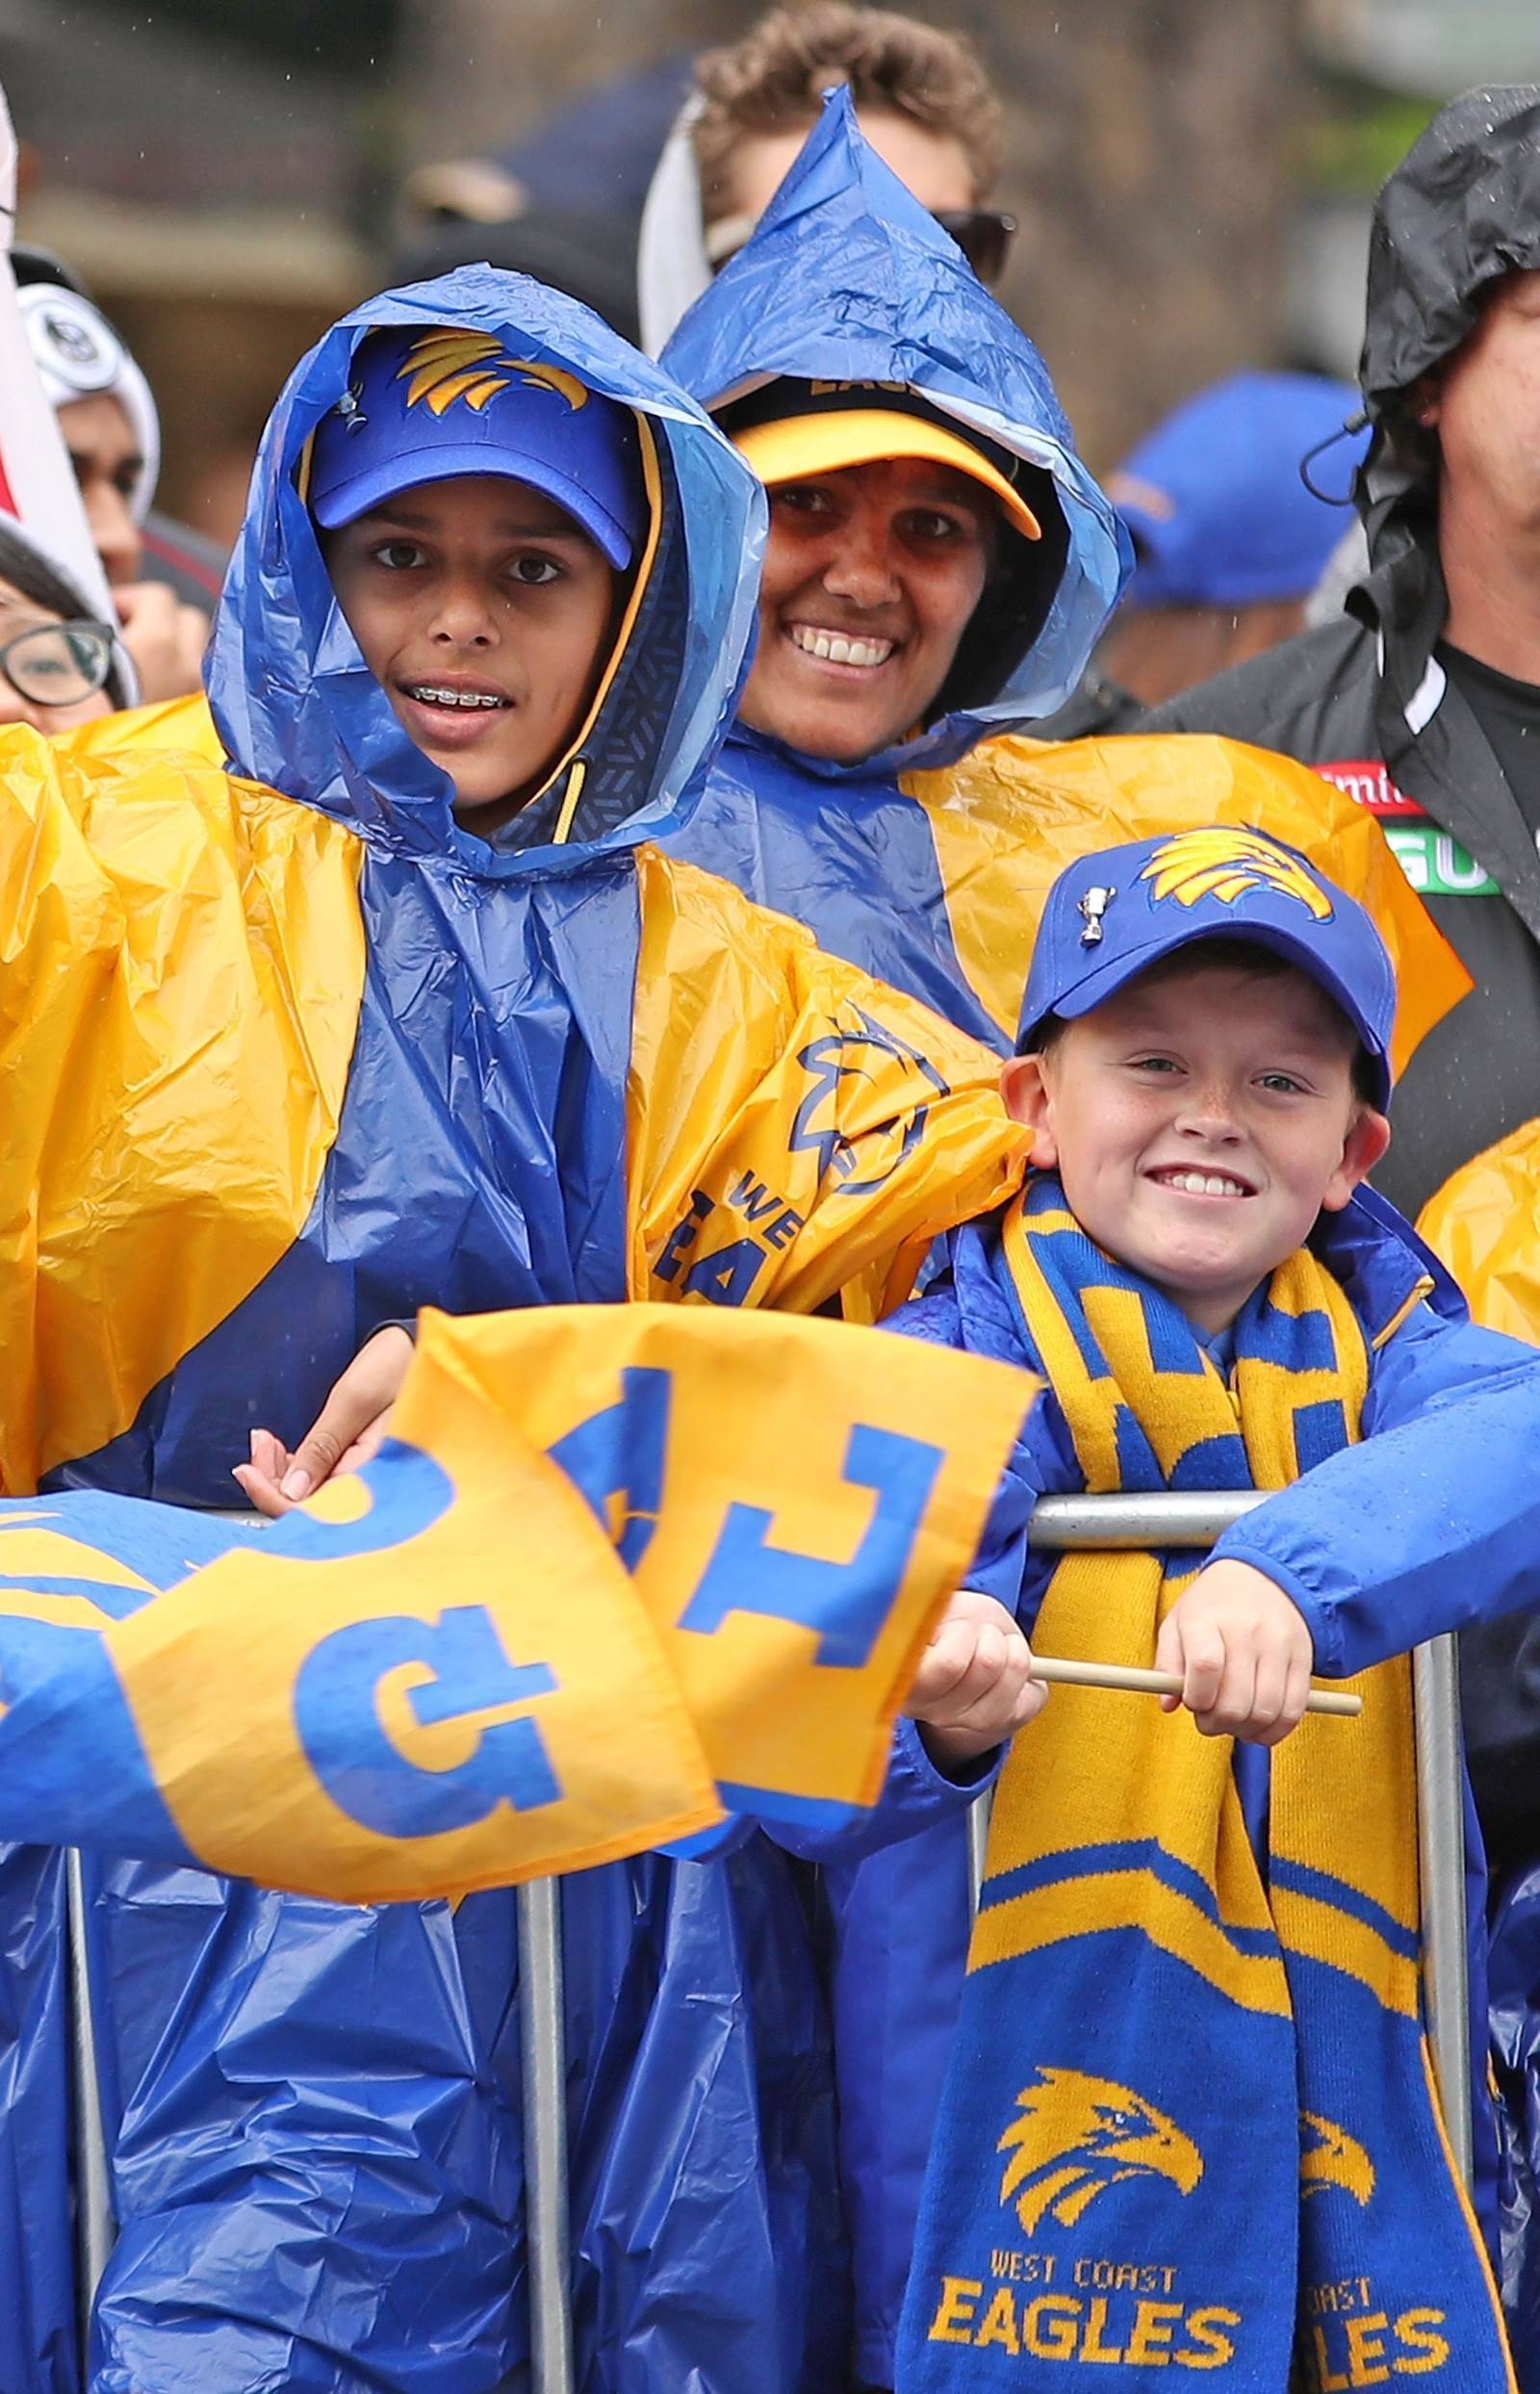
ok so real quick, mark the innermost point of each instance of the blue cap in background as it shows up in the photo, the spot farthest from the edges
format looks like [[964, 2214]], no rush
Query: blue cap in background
[[1111, 916], [1213, 497], [425, 407]]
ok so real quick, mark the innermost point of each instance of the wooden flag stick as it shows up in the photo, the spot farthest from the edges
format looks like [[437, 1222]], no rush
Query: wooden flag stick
[[1049, 1667]]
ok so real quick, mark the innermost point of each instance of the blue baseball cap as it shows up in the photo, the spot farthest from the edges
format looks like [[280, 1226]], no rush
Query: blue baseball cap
[[1111, 916], [425, 406], [1214, 499]]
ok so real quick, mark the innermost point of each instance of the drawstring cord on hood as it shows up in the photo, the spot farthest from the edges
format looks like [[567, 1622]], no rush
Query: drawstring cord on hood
[[1354, 423]]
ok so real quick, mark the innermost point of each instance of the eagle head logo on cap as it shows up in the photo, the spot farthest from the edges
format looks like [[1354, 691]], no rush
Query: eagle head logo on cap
[[450, 364], [1224, 864], [1077, 2136]]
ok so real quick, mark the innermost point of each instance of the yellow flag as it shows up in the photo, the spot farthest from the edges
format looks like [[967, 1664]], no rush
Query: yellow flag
[[617, 1569]]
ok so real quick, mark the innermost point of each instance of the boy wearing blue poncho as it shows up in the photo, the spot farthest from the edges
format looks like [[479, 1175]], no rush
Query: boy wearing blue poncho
[[295, 1049], [1189, 2123]]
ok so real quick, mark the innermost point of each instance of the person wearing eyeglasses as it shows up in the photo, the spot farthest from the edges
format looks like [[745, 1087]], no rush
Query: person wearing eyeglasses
[[59, 667], [923, 102], [161, 579]]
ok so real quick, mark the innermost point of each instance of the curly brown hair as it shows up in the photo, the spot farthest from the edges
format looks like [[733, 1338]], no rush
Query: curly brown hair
[[772, 82]]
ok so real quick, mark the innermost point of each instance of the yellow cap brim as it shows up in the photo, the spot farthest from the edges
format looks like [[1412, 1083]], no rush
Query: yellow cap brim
[[796, 446]]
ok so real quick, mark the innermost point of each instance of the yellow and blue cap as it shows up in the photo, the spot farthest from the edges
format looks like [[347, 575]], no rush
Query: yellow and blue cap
[[428, 406], [1112, 915], [790, 429]]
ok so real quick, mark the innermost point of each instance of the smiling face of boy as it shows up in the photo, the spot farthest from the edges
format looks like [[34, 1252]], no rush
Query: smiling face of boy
[[487, 617], [1199, 1120]]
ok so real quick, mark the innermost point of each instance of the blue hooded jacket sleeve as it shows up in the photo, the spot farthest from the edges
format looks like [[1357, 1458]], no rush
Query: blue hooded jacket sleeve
[[1432, 1521], [900, 1918]]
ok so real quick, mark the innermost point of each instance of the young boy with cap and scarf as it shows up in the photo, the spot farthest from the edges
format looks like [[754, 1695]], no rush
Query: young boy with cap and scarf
[[1191, 2041]]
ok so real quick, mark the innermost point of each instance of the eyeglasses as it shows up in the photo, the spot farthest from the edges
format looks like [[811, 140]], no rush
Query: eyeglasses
[[984, 235], [58, 664]]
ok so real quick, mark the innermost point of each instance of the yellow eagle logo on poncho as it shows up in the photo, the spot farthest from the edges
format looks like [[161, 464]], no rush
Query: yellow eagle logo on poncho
[[1224, 864], [1078, 2135], [1328, 2156], [449, 365]]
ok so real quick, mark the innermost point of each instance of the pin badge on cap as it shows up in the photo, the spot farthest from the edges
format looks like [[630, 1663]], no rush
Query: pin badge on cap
[[1093, 907], [83, 351]]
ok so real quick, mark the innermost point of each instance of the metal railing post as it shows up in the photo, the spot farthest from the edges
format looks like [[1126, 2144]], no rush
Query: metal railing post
[[96, 2229], [1062, 1524], [543, 2046], [979, 1812], [1440, 1869]]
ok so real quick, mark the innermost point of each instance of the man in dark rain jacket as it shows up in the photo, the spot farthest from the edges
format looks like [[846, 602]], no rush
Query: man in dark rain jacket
[[1424, 700]]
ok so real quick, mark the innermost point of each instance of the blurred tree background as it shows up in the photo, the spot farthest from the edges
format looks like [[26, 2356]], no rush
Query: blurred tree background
[[1192, 177]]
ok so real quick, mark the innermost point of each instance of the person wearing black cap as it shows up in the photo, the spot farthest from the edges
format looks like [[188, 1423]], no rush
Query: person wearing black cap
[[1424, 699]]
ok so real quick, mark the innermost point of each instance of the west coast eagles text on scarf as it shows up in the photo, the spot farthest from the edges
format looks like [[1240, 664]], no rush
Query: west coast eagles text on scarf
[[1190, 2126]]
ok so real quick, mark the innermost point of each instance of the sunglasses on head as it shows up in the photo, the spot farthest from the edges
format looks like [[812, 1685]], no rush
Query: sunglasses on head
[[984, 235]]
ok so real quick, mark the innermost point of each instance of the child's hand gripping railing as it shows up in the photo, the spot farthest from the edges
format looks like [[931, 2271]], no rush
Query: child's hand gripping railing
[[1196, 1518]]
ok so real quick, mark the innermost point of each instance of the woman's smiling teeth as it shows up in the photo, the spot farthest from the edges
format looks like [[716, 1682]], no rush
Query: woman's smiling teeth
[[1202, 1184], [838, 648]]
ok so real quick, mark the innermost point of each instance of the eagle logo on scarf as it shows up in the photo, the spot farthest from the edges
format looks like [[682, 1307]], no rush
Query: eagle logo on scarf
[[1328, 2156], [1078, 2135], [1224, 864], [450, 364]]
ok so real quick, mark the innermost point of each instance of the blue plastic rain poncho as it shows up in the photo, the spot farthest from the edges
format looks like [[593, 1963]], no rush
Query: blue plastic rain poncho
[[849, 280], [289, 1053], [929, 863]]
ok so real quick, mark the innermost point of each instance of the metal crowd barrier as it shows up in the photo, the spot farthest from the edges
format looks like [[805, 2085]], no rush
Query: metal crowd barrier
[[1059, 1524]]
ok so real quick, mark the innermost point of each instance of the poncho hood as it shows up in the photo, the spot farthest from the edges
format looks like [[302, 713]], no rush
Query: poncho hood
[[298, 709], [1460, 211], [849, 280]]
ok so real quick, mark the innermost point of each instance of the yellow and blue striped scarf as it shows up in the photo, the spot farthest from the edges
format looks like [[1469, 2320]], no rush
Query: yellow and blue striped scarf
[[1189, 2125]]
